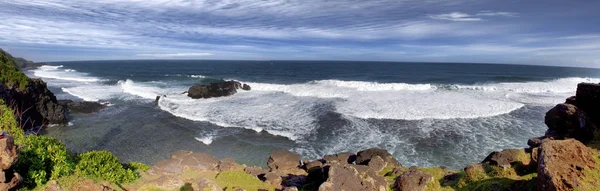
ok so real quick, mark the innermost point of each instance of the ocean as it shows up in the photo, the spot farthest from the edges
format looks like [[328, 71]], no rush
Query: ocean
[[425, 114]]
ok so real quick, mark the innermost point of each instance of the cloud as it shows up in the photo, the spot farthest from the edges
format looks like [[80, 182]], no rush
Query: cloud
[[459, 16], [169, 55]]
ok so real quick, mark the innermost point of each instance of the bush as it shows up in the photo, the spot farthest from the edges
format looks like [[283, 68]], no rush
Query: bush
[[10, 75], [104, 165], [42, 159], [9, 124], [138, 166]]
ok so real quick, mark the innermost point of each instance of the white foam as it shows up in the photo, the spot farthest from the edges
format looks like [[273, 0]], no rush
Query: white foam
[[207, 140], [374, 86], [49, 67], [52, 72], [147, 90]]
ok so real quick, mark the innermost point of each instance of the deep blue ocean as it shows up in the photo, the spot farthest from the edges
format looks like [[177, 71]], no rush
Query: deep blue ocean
[[425, 114]]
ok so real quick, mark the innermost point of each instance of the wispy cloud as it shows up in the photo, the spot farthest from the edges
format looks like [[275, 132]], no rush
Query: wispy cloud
[[170, 55], [459, 16]]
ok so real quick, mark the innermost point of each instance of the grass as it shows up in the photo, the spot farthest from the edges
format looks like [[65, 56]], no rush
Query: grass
[[239, 179], [591, 176]]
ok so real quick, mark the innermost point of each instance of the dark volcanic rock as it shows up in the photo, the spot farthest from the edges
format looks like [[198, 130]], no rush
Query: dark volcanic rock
[[82, 107], [561, 164], [246, 87], [214, 90], [39, 103], [282, 159], [363, 157], [588, 99], [568, 121], [507, 157], [413, 180]]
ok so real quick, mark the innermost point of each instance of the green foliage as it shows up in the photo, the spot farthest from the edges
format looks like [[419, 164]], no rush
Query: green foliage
[[104, 165], [42, 159], [138, 166], [186, 187], [8, 123], [10, 75], [240, 179]]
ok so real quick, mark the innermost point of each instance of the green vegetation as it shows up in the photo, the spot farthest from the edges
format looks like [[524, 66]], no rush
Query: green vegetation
[[591, 179], [10, 75], [42, 159], [104, 165], [239, 179]]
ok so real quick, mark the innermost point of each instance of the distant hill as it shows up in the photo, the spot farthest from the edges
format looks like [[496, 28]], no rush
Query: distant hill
[[22, 63]]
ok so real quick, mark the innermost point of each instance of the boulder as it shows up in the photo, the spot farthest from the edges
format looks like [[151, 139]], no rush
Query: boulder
[[255, 170], [377, 164], [535, 142], [273, 179], [363, 157], [8, 152], [282, 159], [412, 180], [588, 99], [567, 121], [348, 177], [246, 87], [312, 165], [561, 164], [347, 157], [219, 89], [508, 157]]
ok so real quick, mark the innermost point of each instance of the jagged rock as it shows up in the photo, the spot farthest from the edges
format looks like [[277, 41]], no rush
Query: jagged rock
[[246, 87], [348, 177], [535, 142], [377, 164], [567, 121], [82, 107], [507, 157], [214, 90], [41, 104], [347, 157], [363, 157], [8, 152], [255, 170], [588, 99], [561, 164], [571, 100], [412, 180], [273, 179], [206, 185], [283, 160]]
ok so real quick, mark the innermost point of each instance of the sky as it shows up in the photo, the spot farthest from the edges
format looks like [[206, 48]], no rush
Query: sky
[[537, 32]]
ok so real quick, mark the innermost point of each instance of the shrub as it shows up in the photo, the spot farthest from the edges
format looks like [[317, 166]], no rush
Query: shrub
[[9, 124], [42, 159], [10, 74], [138, 166], [104, 165]]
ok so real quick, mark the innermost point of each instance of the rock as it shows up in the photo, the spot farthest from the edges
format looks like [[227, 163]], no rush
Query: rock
[[450, 178], [377, 164], [534, 155], [347, 157], [246, 87], [567, 121], [41, 104], [82, 107], [397, 171], [508, 157], [348, 177], [229, 164], [283, 159], [255, 170], [273, 179], [363, 157], [292, 188], [571, 100], [214, 90], [588, 99], [8, 152], [561, 164], [413, 180], [313, 165], [15, 180], [206, 185]]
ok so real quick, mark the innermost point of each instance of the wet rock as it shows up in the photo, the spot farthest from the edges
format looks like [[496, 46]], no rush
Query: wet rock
[[219, 89], [246, 87], [413, 180], [363, 157], [561, 164], [347, 157], [283, 159], [567, 121], [82, 107]]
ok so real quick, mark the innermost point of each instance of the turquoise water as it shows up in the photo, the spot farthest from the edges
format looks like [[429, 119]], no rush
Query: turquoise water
[[426, 114]]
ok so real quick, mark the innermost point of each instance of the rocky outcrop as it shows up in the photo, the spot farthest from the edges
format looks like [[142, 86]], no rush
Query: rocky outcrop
[[347, 157], [82, 107], [568, 121], [351, 177], [8, 156], [38, 104], [365, 156], [219, 89], [588, 99], [507, 158], [283, 160], [561, 164], [413, 180]]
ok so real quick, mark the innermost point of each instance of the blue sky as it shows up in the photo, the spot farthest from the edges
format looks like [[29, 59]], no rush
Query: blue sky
[[540, 32]]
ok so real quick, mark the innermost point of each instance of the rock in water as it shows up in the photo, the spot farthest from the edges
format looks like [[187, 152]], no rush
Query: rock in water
[[283, 160], [246, 87], [82, 107], [561, 164], [568, 121], [214, 89]]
